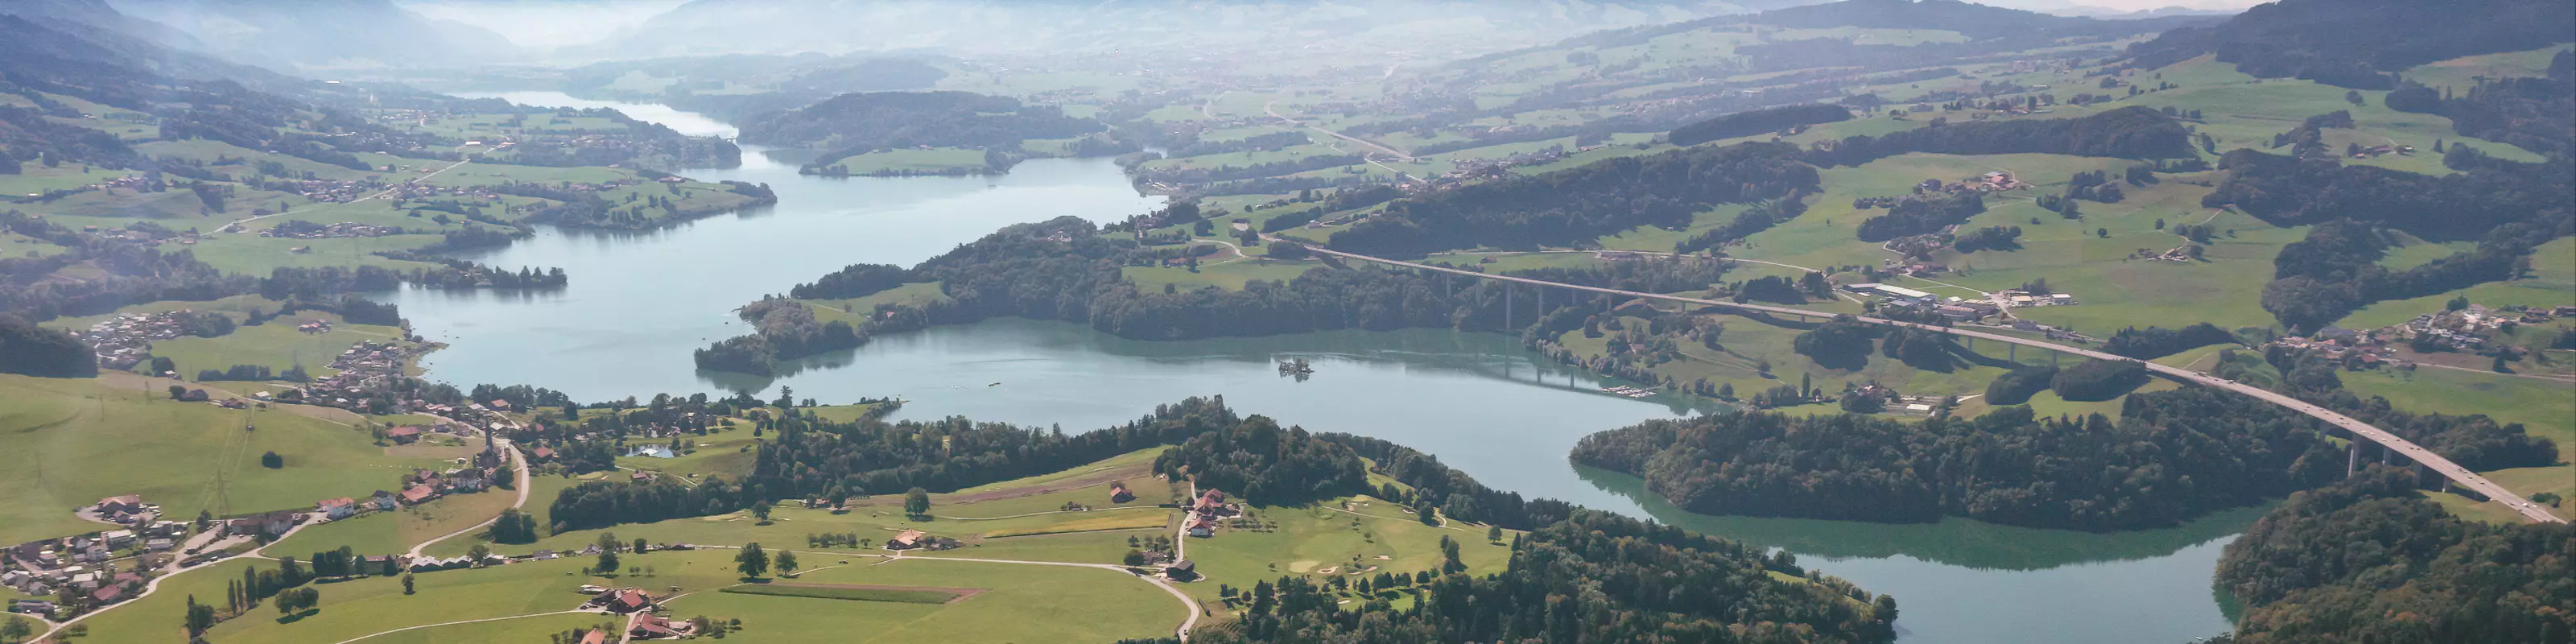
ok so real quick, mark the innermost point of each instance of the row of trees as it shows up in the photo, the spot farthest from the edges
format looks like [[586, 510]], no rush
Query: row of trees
[[2170, 456], [814, 458], [1585, 202]]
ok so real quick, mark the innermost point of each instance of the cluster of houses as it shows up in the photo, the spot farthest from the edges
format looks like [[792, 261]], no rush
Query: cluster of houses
[[1989, 182], [125, 510], [342, 229], [644, 622], [917, 540], [104, 568], [125, 340], [2469, 329], [1207, 511], [365, 368]]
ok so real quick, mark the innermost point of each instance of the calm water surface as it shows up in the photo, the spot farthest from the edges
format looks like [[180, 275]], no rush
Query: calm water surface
[[639, 302]]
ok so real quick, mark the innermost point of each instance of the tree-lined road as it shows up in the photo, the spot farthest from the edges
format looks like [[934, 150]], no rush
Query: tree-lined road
[[2458, 475]]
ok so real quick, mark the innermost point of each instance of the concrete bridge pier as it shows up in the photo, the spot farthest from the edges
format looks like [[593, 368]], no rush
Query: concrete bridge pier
[[1507, 305], [2352, 462]]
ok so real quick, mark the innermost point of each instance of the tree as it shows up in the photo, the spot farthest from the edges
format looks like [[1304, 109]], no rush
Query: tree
[[200, 618], [1494, 534], [787, 562], [407, 583], [639, 544], [752, 561], [607, 562], [2353, 97], [178, 392], [272, 461], [477, 553], [1134, 558], [916, 503], [16, 630], [760, 511]]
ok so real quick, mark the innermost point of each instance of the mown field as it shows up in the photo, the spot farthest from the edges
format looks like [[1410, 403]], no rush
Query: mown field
[[65, 443]]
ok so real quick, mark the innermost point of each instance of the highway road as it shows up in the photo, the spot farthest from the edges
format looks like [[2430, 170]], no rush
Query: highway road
[[2458, 475]]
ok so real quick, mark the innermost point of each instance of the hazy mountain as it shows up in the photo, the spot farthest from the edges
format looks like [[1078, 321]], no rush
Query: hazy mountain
[[97, 13], [317, 36], [838, 26]]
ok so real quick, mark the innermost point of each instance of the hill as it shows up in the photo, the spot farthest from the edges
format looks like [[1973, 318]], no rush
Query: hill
[[323, 36], [854, 124], [2360, 43]]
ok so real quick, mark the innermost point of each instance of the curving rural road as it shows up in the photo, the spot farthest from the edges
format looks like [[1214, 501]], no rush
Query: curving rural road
[[2453, 471], [518, 463]]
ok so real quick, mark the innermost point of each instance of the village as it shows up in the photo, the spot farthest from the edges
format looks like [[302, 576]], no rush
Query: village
[[2465, 329]]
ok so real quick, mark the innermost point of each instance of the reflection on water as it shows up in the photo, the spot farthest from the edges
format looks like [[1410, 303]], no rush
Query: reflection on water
[[1954, 541]]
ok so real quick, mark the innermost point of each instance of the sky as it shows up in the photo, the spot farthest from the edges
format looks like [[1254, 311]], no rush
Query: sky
[[548, 24], [545, 24]]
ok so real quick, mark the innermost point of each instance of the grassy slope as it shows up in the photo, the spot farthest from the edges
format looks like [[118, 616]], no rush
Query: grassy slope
[[66, 443]]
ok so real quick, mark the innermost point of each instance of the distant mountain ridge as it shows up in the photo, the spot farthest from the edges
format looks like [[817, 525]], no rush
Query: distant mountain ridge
[[2360, 43], [320, 36], [703, 27]]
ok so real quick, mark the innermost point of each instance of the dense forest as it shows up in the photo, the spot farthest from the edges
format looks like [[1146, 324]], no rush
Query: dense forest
[[1265, 464], [1749, 123], [2536, 114], [783, 329], [816, 458], [32, 350], [2128, 132], [1592, 577], [855, 280], [1922, 214], [2157, 342], [853, 124], [2510, 208], [1582, 203], [2171, 456], [2361, 43], [2371, 560]]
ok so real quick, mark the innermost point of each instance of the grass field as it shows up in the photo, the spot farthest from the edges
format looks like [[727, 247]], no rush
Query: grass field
[[1353, 537], [932, 161], [1011, 519], [66, 443], [1025, 603], [1229, 276], [2551, 282], [2460, 74], [255, 255], [2543, 407], [397, 531], [277, 345], [854, 310], [864, 594]]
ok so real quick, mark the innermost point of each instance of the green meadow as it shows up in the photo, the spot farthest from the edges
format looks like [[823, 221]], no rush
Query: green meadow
[[65, 443]]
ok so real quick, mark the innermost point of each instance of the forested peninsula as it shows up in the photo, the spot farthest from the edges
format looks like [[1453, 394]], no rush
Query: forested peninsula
[[2370, 560], [2170, 456]]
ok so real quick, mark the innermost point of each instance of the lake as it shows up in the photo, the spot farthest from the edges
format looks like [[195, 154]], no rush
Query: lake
[[639, 302]]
